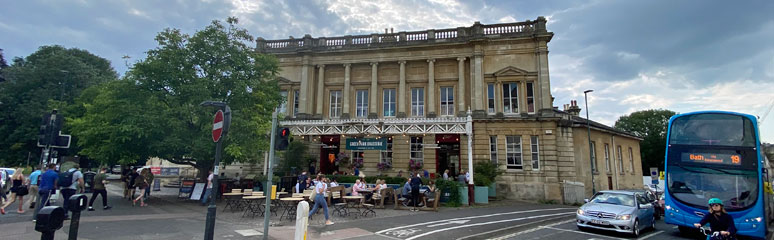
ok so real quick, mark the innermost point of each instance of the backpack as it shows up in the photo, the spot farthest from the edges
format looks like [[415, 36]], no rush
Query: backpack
[[65, 179]]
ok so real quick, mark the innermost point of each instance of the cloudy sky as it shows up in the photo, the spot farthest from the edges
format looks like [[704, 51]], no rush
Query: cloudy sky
[[677, 55]]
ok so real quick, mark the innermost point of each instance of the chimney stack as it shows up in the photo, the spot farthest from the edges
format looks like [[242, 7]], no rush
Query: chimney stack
[[573, 108]]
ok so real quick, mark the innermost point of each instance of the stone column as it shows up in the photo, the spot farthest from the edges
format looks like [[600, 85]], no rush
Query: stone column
[[401, 98], [544, 82], [478, 84], [302, 107], [345, 99], [461, 87], [372, 106], [320, 87], [431, 88]]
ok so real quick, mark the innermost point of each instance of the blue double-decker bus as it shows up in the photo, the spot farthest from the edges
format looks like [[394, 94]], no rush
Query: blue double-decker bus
[[714, 154]]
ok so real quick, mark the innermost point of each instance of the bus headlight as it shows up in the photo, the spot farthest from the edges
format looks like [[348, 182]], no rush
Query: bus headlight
[[668, 207], [759, 219], [623, 217]]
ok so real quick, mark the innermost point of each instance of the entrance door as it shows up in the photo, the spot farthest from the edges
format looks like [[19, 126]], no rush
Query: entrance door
[[330, 149], [448, 154]]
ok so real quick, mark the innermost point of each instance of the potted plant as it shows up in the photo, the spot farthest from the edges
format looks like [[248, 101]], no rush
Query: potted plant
[[484, 177], [383, 166], [415, 165]]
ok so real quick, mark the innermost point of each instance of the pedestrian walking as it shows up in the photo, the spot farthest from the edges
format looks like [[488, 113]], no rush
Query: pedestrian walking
[[99, 189], [48, 184], [33, 183], [18, 190], [70, 182], [149, 179], [3, 179], [319, 199], [208, 192], [141, 183], [133, 182]]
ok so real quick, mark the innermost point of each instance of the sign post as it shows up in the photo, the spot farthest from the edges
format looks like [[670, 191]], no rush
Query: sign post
[[220, 125], [654, 175], [268, 187]]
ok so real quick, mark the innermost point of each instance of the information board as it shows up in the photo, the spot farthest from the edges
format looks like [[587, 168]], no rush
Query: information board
[[197, 191], [186, 187], [156, 184], [170, 171]]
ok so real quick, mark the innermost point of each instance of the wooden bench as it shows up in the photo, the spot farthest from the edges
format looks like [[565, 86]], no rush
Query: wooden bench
[[431, 201]]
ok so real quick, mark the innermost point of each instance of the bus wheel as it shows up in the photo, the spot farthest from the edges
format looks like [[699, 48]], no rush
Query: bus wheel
[[686, 231]]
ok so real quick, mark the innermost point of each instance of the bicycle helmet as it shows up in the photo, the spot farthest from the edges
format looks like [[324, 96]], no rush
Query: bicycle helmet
[[715, 201]]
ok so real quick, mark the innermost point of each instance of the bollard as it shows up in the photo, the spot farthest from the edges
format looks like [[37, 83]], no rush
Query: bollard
[[302, 220], [77, 203]]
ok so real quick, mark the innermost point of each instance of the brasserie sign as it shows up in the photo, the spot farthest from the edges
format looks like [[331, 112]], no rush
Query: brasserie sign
[[366, 144]]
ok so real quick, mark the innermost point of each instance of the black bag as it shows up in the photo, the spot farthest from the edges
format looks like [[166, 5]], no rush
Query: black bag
[[65, 179]]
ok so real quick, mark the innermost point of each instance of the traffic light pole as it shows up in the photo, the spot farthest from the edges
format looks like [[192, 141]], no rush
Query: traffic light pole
[[267, 190]]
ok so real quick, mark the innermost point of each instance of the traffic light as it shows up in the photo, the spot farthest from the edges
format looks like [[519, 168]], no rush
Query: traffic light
[[281, 142]]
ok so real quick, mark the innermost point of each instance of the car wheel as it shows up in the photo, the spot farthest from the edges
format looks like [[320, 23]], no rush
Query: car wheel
[[636, 228]]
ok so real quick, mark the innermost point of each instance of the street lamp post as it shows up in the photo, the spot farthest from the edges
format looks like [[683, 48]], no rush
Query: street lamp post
[[588, 133]]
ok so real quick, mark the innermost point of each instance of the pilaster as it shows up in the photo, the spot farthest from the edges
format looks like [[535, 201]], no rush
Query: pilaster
[[461, 87], [431, 88], [402, 91], [320, 88], [372, 106], [345, 99]]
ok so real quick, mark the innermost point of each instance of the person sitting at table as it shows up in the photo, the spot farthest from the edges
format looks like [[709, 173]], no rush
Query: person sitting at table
[[378, 188], [430, 193], [406, 193], [334, 183], [356, 187], [308, 185]]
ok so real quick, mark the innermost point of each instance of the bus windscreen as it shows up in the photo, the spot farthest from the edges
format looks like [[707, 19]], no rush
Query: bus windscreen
[[714, 129]]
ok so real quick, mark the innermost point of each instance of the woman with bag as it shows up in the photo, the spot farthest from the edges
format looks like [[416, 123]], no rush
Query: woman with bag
[[141, 183], [18, 190], [319, 199]]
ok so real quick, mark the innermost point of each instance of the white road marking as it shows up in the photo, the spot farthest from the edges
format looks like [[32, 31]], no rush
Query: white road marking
[[587, 233], [473, 217], [249, 232], [650, 235], [530, 230], [449, 222], [486, 223]]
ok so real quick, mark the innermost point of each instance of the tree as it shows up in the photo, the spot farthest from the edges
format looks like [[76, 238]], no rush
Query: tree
[[165, 90], [295, 158], [50, 78], [651, 126]]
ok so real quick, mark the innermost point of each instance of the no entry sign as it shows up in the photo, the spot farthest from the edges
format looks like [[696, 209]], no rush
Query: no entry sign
[[217, 126]]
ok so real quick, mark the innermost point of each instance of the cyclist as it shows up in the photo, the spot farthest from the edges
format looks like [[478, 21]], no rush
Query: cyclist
[[719, 220]]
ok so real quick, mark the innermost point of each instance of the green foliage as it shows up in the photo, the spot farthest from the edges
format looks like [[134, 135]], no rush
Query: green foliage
[[485, 173], [651, 125], [157, 113], [295, 157], [52, 77], [451, 187]]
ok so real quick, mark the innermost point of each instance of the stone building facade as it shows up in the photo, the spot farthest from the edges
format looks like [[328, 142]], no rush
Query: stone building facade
[[423, 94]]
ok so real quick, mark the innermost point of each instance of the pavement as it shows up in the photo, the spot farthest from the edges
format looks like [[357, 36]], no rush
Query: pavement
[[168, 217]]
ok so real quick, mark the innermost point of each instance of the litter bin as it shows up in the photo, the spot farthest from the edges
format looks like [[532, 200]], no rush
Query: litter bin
[[88, 179]]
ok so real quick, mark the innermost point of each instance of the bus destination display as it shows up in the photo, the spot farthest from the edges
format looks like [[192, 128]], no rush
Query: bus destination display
[[713, 158]]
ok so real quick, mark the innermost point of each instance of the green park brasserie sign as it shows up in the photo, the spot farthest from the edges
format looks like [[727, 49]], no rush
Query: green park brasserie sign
[[366, 144]]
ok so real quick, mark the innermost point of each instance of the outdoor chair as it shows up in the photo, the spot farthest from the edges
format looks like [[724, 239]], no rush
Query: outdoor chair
[[400, 201]]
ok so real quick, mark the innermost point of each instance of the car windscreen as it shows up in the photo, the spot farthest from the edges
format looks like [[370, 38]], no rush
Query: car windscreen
[[614, 199]]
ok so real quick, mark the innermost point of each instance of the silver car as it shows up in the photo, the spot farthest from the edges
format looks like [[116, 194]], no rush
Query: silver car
[[620, 211]]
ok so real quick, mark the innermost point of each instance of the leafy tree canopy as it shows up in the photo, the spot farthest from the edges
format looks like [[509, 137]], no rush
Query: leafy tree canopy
[[651, 126], [50, 78], [155, 112]]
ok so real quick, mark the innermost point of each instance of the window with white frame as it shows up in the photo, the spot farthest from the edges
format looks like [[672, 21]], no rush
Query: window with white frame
[[357, 156], [607, 157], [510, 98], [386, 155], [593, 156], [295, 103], [631, 160], [620, 159], [389, 102], [535, 149], [490, 95], [417, 102], [513, 152], [416, 149], [361, 103], [335, 104], [493, 149], [283, 108], [530, 97], [447, 101]]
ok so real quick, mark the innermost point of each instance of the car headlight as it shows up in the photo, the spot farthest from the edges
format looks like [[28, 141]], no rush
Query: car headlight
[[623, 217], [581, 212]]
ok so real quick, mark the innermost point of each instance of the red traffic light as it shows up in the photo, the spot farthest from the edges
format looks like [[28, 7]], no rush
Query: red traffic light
[[284, 132]]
